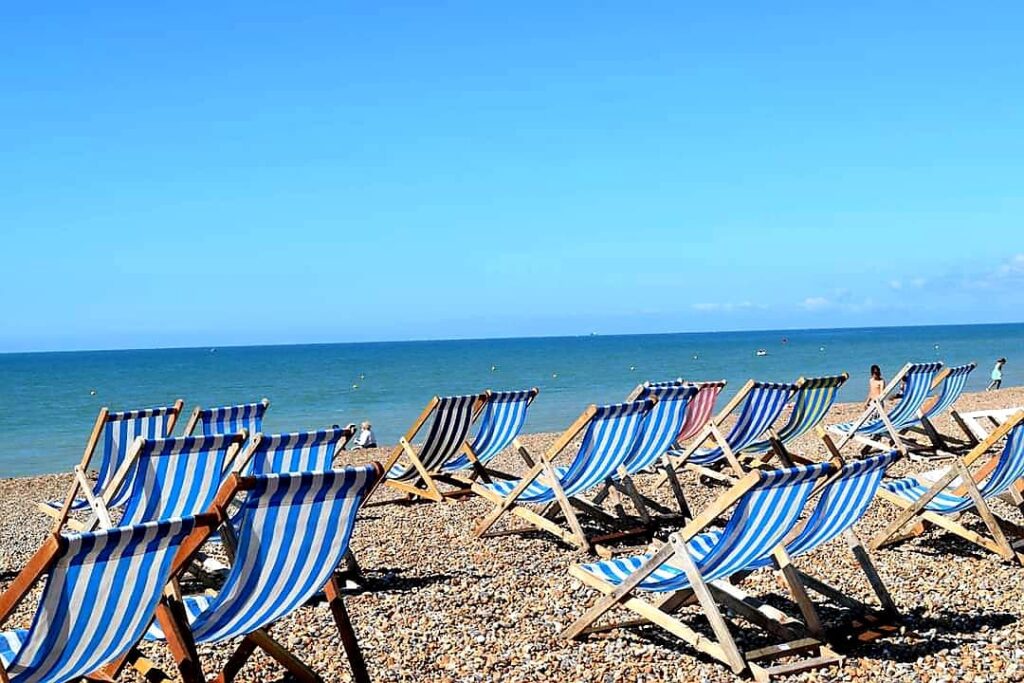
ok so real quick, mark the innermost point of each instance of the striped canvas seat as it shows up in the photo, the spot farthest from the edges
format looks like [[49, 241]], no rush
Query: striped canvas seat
[[295, 452], [453, 417], [174, 477], [609, 440], [100, 595], [229, 419], [294, 531], [919, 378], [502, 419], [1008, 470], [763, 517], [117, 434], [700, 409], [761, 408], [952, 387], [812, 401], [662, 425]]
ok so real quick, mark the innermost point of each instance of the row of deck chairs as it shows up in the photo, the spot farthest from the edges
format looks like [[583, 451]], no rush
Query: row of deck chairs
[[174, 494], [270, 500]]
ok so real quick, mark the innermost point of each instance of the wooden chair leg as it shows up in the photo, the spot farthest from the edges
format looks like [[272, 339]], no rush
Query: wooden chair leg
[[236, 661], [293, 664], [346, 632]]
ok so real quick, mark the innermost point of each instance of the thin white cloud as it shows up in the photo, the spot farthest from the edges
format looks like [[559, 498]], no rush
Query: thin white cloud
[[895, 284], [815, 303]]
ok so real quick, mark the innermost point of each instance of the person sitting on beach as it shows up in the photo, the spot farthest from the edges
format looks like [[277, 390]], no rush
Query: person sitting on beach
[[366, 439], [876, 385], [997, 375]]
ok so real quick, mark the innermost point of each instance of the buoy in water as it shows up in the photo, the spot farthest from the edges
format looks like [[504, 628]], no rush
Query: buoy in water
[[92, 392], [632, 368], [760, 352], [355, 386], [494, 368], [554, 375]]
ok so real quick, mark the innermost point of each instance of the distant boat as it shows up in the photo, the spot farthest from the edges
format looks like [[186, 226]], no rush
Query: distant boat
[[213, 350], [760, 352]]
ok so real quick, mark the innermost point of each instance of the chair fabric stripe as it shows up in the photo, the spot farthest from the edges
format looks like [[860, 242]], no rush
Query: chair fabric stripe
[[952, 387], [919, 378], [811, 404], [761, 408], [117, 435], [763, 517], [97, 603], [295, 452], [608, 441], [661, 426], [232, 419], [295, 529], [453, 416], [1008, 470], [502, 420], [174, 477]]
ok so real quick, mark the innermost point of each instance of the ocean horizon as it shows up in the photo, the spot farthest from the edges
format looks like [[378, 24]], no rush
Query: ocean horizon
[[50, 399]]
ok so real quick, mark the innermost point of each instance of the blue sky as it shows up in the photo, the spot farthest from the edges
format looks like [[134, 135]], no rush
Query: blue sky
[[226, 173]]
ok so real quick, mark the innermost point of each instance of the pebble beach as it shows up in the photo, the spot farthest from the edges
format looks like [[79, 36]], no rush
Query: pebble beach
[[441, 605]]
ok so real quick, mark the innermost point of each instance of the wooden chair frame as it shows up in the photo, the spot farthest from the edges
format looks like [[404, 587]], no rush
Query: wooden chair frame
[[545, 520], [81, 481], [174, 622], [802, 636], [429, 490], [914, 513], [43, 561]]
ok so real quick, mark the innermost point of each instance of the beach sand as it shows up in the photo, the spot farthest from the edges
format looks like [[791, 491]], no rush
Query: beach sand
[[444, 606]]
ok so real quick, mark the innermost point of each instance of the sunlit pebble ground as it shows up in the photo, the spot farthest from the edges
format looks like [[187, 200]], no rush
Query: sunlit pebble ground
[[444, 606]]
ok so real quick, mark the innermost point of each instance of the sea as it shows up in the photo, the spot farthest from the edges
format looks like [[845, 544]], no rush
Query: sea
[[49, 401]]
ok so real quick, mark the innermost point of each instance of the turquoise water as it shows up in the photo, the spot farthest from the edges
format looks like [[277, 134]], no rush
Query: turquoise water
[[46, 409]]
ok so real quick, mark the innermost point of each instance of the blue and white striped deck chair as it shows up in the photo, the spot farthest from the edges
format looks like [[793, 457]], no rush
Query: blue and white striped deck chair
[[950, 384], [941, 496], [501, 421], [768, 506], [294, 531], [760, 404], [293, 452], [917, 379], [446, 438], [842, 502], [658, 434], [112, 435], [813, 399], [102, 590], [610, 435], [228, 419], [168, 478]]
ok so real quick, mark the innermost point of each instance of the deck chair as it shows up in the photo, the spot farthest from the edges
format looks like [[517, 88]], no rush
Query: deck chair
[[875, 420], [760, 404], [940, 497], [692, 565], [813, 399], [102, 590], [610, 434], [294, 452], [978, 424], [112, 435], [501, 421], [228, 419], [453, 417], [166, 478], [294, 531], [666, 420], [950, 384], [841, 503]]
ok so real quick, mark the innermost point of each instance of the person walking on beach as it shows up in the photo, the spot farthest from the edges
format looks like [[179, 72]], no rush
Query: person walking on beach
[[876, 385], [366, 439], [997, 375]]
